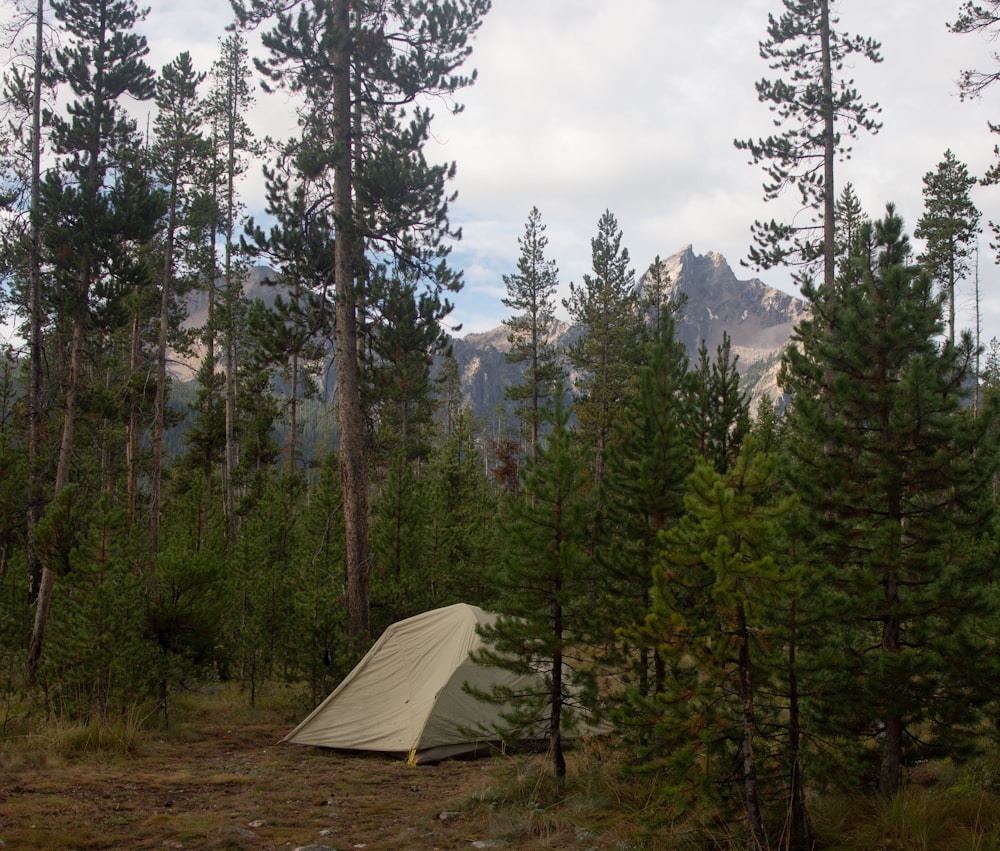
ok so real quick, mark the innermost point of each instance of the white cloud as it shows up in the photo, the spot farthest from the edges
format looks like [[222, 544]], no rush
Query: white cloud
[[585, 105]]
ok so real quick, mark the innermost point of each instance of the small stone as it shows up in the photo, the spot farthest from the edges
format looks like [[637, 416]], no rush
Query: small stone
[[238, 831], [446, 815]]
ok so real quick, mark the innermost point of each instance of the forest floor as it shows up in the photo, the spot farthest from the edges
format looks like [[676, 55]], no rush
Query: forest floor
[[229, 783], [237, 788]]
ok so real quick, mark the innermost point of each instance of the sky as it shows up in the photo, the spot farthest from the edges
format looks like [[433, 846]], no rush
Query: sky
[[583, 106]]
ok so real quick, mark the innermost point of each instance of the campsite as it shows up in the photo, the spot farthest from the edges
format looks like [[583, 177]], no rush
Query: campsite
[[221, 778], [231, 785]]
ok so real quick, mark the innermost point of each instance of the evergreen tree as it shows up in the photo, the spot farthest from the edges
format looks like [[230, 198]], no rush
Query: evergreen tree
[[718, 587], [894, 473], [361, 68], [642, 491], [818, 111], [608, 309], [97, 202], [460, 532], [721, 411], [403, 339], [950, 224], [530, 292], [300, 247], [850, 219], [543, 587], [98, 659], [229, 99], [179, 146], [978, 17]]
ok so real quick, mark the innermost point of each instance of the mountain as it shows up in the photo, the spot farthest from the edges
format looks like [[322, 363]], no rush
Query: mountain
[[758, 318]]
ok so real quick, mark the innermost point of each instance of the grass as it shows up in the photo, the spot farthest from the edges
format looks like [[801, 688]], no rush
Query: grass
[[217, 777]]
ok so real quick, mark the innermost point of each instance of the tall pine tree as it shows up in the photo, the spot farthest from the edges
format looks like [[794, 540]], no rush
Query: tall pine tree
[[894, 473], [530, 292], [818, 112], [950, 224]]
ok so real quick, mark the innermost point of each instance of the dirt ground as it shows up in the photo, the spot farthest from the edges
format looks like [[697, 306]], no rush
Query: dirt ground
[[238, 788]]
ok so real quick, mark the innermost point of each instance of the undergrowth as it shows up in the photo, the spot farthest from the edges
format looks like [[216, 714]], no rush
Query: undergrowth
[[944, 807]]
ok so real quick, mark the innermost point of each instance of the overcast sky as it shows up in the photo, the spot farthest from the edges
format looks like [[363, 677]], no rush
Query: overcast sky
[[632, 106]]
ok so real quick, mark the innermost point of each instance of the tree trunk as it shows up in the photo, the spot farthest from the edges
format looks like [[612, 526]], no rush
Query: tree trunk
[[132, 438], [829, 202], [351, 452], [555, 697], [44, 599], [801, 829], [159, 402], [890, 769], [35, 321], [751, 798]]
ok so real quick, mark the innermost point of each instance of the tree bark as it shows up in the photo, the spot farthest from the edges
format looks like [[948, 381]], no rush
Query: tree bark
[[829, 201], [350, 419], [35, 320], [751, 798]]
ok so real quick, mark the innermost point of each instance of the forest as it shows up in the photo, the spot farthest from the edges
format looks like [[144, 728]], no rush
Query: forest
[[762, 606]]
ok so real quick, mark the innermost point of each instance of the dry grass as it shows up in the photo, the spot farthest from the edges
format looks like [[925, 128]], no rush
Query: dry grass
[[217, 778]]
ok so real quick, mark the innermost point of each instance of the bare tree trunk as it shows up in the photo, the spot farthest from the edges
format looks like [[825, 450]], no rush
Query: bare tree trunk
[[35, 320], [132, 439], [156, 474], [829, 201], [44, 599], [351, 453]]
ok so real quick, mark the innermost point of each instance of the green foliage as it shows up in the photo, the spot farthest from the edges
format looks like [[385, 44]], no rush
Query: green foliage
[[720, 589], [543, 587], [895, 472], [641, 494], [721, 411], [316, 651], [817, 111], [530, 292], [98, 660], [950, 225], [608, 310]]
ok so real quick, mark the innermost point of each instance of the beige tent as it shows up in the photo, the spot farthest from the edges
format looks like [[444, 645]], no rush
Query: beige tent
[[406, 697]]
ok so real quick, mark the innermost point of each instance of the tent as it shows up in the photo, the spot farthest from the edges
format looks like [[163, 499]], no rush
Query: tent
[[405, 696]]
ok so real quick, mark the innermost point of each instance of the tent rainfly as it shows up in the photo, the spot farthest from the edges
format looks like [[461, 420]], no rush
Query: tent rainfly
[[405, 696]]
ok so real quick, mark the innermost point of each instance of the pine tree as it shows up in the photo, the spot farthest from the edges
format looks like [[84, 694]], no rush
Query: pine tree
[[950, 224], [530, 292], [647, 462], [819, 111], [721, 411], [894, 473], [178, 148], [98, 201], [362, 67], [716, 589], [228, 101], [543, 586], [607, 308], [978, 17], [299, 246], [850, 219]]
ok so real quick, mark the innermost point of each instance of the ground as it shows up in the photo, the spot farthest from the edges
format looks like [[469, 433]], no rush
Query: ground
[[235, 788]]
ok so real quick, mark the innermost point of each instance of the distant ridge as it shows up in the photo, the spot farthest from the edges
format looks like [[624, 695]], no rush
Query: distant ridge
[[759, 319]]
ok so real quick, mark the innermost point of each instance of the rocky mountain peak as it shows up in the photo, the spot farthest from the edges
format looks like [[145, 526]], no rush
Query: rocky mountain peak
[[759, 320]]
